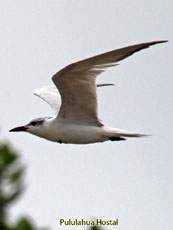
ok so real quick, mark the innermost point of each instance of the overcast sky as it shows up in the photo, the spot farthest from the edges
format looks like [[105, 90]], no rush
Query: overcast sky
[[129, 180]]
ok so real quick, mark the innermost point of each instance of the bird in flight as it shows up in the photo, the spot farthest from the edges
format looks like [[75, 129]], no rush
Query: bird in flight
[[74, 102]]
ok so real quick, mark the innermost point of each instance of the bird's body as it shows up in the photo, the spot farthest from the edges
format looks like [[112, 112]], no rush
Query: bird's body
[[63, 132], [75, 117]]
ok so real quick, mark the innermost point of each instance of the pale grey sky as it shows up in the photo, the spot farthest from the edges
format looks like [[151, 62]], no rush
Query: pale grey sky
[[129, 180]]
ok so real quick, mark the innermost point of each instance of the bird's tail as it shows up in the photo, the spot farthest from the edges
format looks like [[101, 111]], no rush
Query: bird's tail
[[115, 134]]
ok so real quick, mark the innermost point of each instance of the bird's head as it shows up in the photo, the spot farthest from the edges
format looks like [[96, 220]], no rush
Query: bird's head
[[32, 127]]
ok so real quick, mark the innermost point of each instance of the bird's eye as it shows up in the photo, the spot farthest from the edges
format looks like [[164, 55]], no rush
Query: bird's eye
[[33, 123]]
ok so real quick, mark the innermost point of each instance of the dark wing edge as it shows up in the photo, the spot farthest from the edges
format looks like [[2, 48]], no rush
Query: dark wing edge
[[106, 59]]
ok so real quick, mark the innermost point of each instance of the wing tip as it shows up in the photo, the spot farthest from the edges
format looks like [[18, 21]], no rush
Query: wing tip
[[105, 84], [159, 41], [35, 92]]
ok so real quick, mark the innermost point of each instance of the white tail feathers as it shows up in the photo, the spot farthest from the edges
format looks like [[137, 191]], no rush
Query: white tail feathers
[[134, 135], [122, 133]]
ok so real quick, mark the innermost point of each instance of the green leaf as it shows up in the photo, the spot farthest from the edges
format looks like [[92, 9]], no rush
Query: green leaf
[[14, 195], [24, 224], [7, 157], [16, 176]]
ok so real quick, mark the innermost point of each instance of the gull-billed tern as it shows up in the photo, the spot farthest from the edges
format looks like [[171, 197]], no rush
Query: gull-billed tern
[[75, 117]]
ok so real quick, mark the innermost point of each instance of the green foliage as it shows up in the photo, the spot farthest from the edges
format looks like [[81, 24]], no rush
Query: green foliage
[[11, 187], [24, 224], [95, 228]]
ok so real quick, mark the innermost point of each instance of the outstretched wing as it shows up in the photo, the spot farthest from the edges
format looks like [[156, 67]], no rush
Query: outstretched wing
[[76, 84], [51, 95]]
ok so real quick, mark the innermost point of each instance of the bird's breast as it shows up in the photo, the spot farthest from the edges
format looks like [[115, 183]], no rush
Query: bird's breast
[[74, 134]]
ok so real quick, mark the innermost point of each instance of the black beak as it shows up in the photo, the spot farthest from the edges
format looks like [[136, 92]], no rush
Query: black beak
[[19, 129]]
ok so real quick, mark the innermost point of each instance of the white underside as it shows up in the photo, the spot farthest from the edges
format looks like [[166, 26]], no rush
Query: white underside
[[77, 134]]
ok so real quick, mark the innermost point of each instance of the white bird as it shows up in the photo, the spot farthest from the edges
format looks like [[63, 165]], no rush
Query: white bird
[[75, 117]]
